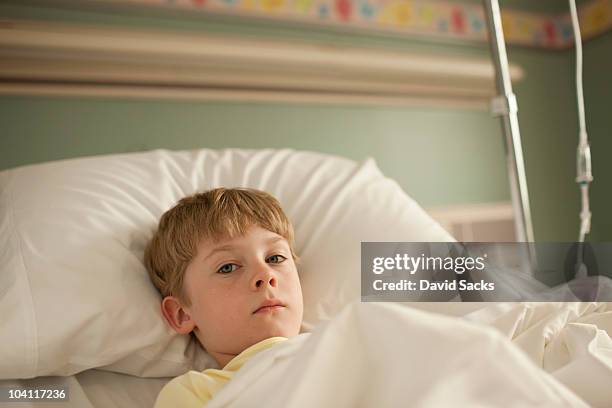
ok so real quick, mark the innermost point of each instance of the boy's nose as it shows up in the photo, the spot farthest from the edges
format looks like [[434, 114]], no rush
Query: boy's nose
[[264, 277], [261, 282]]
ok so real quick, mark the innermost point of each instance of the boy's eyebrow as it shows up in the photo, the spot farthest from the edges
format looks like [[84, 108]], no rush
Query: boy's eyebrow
[[227, 247], [274, 240], [219, 249]]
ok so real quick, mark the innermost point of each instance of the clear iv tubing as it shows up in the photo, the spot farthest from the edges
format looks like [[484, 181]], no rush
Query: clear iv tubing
[[583, 158]]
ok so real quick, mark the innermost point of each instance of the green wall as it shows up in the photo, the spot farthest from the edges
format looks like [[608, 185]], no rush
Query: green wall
[[598, 106], [439, 156]]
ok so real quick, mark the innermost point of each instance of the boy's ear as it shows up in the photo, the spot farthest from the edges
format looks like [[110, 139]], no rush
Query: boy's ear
[[177, 317]]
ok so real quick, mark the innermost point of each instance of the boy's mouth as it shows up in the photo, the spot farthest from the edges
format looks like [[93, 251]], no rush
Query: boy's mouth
[[269, 305]]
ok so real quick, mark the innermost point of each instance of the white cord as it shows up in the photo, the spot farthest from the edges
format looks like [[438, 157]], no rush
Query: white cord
[[583, 164], [585, 214], [579, 90]]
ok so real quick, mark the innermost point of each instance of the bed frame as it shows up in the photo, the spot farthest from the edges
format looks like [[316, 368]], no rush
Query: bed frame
[[505, 105]]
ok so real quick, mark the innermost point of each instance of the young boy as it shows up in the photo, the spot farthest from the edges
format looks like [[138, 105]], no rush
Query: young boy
[[224, 263]]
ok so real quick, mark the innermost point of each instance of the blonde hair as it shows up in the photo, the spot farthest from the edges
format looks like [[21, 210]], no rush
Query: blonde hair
[[218, 214]]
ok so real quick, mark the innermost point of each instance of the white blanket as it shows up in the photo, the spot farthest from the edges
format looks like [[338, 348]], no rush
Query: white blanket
[[572, 341], [387, 355]]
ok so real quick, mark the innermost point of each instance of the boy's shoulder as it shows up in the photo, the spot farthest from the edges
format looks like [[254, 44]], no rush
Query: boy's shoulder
[[192, 389]]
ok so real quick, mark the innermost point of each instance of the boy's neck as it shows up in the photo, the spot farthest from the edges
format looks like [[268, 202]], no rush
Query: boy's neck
[[222, 359]]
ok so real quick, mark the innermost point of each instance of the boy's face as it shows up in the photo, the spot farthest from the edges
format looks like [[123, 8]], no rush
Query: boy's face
[[243, 290]]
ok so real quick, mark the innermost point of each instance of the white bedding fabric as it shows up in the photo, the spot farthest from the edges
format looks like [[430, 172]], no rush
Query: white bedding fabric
[[572, 341], [386, 354], [96, 389], [75, 232]]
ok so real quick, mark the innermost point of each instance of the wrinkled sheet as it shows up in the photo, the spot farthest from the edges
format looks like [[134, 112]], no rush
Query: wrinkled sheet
[[387, 355], [572, 341], [94, 389], [392, 355]]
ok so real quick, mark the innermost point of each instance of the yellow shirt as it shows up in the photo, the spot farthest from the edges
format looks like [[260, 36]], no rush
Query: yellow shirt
[[194, 389]]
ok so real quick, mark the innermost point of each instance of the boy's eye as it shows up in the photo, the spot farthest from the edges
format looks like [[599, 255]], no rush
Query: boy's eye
[[276, 259], [227, 268]]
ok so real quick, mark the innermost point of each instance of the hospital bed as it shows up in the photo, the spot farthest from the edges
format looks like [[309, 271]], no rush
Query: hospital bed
[[79, 312], [78, 308]]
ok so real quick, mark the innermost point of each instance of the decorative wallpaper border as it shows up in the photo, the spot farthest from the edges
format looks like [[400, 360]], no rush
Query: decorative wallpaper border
[[439, 18]]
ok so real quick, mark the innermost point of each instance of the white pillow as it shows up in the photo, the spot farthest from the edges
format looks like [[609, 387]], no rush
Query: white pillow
[[74, 293]]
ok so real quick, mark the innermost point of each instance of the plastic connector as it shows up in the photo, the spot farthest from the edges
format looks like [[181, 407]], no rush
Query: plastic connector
[[583, 164]]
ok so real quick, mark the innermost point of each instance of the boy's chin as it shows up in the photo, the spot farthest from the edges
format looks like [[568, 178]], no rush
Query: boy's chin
[[277, 331]]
